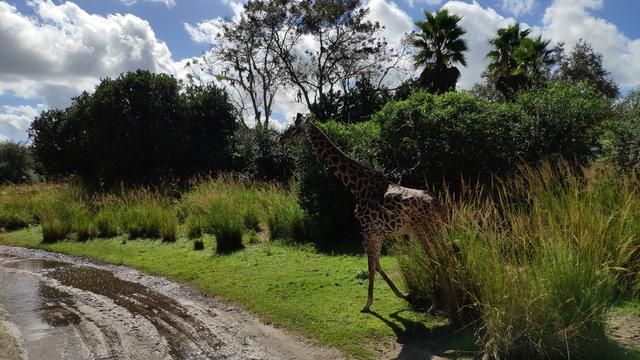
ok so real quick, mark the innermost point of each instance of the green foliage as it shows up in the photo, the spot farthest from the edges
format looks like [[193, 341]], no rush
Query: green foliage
[[537, 269], [356, 105], [257, 156], [108, 220], [226, 206], [228, 230], [138, 128], [326, 201], [518, 61], [427, 140], [17, 164], [57, 216], [561, 120], [440, 45], [585, 64], [626, 132]]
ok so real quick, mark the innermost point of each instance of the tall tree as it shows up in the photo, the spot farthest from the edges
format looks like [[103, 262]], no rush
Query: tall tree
[[534, 59], [243, 56], [518, 61], [502, 62], [358, 104], [440, 46], [139, 128], [585, 64], [324, 45]]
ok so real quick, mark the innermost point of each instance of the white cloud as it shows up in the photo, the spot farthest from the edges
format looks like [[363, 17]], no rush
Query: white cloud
[[571, 20], [167, 3], [517, 7], [205, 31], [412, 3], [481, 25], [62, 50], [15, 120], [396, 21]]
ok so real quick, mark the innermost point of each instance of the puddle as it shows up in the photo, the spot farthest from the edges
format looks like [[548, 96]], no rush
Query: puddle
[[31, 264], [42, 312]]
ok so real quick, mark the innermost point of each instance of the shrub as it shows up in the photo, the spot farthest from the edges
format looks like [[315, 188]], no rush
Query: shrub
[[198, 245], [228, 233], [626, 133], [327, 203], [83, 222], [196, 226], [430, 140], [561, 120], [537, 267], [257, 156], [286, 222], [17, 164]]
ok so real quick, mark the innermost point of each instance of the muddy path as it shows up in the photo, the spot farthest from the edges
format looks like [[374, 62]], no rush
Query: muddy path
[[54, 306]]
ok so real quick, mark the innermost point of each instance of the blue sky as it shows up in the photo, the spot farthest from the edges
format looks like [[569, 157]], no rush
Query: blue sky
[[52, 50]]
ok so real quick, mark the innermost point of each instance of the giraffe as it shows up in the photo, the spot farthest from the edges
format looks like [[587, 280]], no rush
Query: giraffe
[[384, 209]]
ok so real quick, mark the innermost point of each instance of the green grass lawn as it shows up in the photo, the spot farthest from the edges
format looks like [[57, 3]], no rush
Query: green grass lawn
[[296, 288]]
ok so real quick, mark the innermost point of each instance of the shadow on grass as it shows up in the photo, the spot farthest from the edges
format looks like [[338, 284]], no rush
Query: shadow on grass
[[421, 342]]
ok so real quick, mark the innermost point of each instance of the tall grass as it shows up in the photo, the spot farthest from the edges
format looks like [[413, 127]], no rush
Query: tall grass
[[149, 215], [541, 261], [235, 206], [20, 204]]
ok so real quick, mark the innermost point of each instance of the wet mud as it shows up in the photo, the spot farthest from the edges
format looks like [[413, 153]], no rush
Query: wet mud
[[61, 307]]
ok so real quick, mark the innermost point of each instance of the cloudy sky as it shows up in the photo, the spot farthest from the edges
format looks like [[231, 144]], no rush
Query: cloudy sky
[[53, 50]]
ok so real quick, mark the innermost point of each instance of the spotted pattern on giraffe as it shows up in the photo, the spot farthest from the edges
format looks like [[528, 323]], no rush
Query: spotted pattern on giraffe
[[385, 210]]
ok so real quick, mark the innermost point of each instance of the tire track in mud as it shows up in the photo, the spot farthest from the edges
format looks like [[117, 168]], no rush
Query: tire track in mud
[[66, 307]]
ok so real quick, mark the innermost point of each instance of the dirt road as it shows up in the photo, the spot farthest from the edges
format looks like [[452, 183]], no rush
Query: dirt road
[[55, 306]]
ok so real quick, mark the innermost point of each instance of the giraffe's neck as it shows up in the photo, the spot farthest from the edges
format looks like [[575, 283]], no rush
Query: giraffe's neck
[[361, 181]]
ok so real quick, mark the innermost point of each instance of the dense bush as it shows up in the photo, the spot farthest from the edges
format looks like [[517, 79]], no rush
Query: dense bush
[[328, 204], [427, 139], [17, 164], [561, 120], [258, 156], [138, 128]]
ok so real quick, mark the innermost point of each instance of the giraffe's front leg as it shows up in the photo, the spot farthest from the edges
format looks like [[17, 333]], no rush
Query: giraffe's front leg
[[372, 275]]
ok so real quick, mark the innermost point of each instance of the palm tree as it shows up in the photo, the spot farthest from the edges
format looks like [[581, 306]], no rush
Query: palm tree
[[440, 46], [518, 61], [503, 65]]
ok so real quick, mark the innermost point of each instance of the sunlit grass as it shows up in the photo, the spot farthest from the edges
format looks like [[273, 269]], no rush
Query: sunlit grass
[[541, 261]]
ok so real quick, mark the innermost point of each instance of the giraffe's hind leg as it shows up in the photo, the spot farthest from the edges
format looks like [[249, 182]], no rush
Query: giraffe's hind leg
[[391, 285]]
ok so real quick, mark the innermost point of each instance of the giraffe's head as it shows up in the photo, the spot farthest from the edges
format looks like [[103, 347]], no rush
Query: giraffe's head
[[296, 131]]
